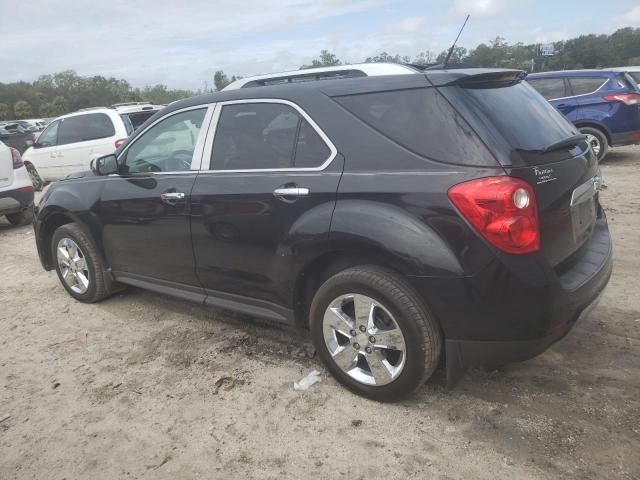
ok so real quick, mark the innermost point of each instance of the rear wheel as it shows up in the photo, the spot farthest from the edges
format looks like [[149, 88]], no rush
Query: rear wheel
[[598, 141], [79, 265], [23, 217], [36, 180], [374, 334]]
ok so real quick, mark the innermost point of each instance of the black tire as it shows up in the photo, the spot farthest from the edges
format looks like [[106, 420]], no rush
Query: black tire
[[422, 336], [600, 139], [100, 284], [36, 180], [23, 217]]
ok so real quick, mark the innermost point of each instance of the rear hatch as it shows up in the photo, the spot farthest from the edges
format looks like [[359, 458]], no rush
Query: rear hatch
[[6, 166], [534, 142]]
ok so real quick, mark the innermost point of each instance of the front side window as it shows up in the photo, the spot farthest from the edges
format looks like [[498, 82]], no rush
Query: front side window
[[255, 136], [82, 128], [168, 146], [48, 137], [586, 85], [549, 88]]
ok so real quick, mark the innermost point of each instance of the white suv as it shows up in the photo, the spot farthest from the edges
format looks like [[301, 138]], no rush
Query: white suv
[[70, 142], [16, 191]]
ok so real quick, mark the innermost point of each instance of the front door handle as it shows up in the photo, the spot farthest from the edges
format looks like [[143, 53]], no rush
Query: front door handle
[[290, 194], [172, 198]]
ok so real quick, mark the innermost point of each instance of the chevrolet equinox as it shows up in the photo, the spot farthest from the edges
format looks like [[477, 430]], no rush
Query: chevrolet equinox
[[401, 218]]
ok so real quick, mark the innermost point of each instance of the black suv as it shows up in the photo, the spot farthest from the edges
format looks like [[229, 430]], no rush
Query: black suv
[[399, 217]]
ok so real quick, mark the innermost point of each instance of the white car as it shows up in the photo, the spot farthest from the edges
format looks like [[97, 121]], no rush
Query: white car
[[16, 191], [70, 142]]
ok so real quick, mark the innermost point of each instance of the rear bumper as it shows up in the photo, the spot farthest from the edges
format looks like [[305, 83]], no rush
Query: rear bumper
[[519, 306], [14, 201], [625, 138]]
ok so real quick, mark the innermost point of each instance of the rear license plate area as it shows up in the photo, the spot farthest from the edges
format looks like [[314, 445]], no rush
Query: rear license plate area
[[583, 218]]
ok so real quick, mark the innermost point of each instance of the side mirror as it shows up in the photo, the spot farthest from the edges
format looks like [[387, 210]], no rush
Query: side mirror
[[105, 165]]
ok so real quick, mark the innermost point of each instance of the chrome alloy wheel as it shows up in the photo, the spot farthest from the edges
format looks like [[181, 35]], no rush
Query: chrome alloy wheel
[[595, 143], [364, 339], [73, 265]]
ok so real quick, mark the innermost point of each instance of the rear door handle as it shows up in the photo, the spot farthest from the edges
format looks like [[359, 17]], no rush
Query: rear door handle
[[172, 198], [290, 194]]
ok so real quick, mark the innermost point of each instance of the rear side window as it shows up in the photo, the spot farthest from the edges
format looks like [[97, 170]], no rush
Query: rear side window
[[586, 85], [422, 121], [255, 136], [549, 88], [82, 128]]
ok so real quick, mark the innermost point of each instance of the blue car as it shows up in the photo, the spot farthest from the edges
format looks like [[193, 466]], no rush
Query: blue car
[[604, 105]]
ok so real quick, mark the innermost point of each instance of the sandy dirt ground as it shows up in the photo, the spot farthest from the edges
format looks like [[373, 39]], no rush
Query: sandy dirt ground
[[144, 386]]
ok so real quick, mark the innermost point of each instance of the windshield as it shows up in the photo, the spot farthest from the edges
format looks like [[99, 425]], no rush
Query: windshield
[[512, 119]]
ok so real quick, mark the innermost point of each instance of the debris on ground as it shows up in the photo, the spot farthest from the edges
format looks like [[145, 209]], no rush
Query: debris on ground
[[356, 423], [305, 382]]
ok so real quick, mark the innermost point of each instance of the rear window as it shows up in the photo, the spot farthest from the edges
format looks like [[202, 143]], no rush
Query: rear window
[[138, 118], [586, 85], [82, 128], [635, 76], [420, 120], [514, 118]]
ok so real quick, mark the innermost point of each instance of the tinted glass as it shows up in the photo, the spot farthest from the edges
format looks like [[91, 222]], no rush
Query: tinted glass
[[82, 128], [167, 146], [138, 118], [511, 118], [635, 76], [255, 136], [311, 150], [585, 85], [48, 137], [421, 120], [549, 88]]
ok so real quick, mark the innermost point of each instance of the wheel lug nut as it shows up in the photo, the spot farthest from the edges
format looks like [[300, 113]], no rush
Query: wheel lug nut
[[372, 339], [356, 346], [353, 333], [362, 328], [368, 350]]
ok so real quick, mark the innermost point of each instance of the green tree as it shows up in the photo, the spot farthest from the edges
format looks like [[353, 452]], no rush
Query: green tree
[[23, 109], [326, 59], [4, 111], [59, 106], [424, 58], [384, 57], [220, 80]]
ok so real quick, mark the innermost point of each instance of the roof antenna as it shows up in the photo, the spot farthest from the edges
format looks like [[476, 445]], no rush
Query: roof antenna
[[446, 60]]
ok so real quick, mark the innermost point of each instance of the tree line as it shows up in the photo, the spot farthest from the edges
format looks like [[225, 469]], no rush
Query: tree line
[[60, 93]]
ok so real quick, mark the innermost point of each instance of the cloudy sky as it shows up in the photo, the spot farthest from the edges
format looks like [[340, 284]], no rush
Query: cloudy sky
[[182, 43]]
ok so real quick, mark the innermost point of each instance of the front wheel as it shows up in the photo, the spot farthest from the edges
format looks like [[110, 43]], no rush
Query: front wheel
[[79, 264], [36, 180], [598, 141], [374, 333]]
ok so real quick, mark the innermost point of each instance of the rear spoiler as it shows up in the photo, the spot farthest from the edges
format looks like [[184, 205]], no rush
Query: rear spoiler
[[475, 77]]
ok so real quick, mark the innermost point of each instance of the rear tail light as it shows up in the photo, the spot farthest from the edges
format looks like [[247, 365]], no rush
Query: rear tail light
[[502, 209], [626, 98], [17, 159], [28, 188], [120, 142]]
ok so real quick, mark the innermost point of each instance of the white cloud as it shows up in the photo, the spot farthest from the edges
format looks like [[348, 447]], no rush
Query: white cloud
[[480, 8], [631, 18], [408, 25]]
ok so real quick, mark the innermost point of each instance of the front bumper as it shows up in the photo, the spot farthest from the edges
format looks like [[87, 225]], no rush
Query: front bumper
[[517, 307]]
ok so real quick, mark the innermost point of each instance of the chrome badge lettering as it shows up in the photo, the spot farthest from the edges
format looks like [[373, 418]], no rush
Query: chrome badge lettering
[[545, 175]]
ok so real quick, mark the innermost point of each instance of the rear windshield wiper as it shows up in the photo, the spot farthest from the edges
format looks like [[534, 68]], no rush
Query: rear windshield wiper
[[566, 142]]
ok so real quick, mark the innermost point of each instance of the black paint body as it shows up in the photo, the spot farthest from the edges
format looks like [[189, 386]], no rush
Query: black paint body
[[232, 243]]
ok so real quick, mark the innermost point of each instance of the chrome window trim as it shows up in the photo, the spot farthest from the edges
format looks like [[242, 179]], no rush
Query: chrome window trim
[[198, 150], [569, 80], [208, 147]]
